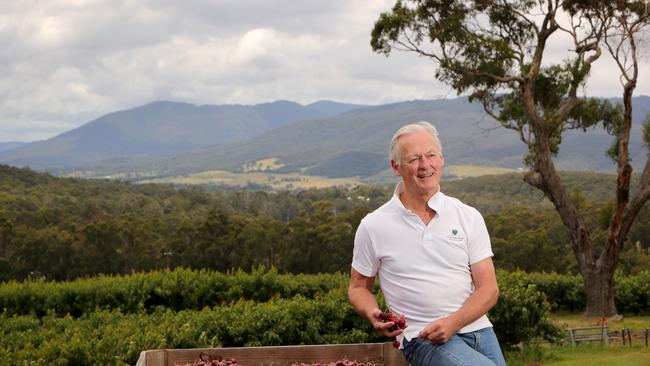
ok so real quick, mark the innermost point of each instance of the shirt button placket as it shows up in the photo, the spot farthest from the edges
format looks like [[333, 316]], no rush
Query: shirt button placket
[[427, 235]]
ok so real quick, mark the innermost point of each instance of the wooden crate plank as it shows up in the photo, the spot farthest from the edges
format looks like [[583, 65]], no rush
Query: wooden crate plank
[[152, 357], [287, 355], [393, 356]]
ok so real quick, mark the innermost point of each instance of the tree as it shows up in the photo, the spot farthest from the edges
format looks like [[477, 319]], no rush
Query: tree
[[318, 240], [6, 233], [493, 50], [528, 239]]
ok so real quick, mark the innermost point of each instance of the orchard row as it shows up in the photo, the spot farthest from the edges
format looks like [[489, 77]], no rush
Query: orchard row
[[184, 289]]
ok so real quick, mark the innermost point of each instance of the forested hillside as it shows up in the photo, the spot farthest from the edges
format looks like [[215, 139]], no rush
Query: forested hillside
[[68, 228]]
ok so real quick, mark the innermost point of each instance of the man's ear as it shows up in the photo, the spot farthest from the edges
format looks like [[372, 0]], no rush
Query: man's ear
[[395, 166]]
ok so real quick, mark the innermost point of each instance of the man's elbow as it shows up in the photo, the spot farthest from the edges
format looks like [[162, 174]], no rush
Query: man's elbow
[[494, 296], [350, 293]]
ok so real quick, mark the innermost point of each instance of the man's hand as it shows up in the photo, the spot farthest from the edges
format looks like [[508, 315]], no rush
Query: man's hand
[[439, 331], [484, 297], [383, 327]]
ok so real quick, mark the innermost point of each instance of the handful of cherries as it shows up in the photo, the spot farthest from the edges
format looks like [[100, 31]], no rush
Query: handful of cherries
[[398, 323]]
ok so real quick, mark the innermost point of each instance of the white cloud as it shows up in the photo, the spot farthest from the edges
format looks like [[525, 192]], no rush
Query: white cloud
[[66, 62], [256, 43]]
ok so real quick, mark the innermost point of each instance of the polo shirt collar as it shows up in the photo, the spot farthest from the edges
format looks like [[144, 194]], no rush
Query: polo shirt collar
[[436, 202]]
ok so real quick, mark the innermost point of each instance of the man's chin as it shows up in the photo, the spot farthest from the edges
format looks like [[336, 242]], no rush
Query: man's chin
[[429, 188]]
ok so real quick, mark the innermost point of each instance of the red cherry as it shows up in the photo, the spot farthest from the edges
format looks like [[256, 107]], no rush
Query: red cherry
[[384, 316]]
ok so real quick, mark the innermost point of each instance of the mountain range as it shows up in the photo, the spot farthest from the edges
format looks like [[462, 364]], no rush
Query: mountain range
[[4, 146], [162, 129], [324, 138]]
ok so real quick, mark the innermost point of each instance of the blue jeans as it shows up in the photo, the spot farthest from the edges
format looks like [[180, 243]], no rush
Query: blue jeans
[[472, 349]]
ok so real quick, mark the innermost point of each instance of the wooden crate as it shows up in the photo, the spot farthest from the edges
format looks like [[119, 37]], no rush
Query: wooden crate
[[383, 354]]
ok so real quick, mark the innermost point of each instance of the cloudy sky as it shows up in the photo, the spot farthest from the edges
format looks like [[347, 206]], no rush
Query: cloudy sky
[[67, 62]]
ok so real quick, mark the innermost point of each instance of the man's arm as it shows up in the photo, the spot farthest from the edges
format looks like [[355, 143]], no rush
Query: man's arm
[[486, 293], [365, 304]]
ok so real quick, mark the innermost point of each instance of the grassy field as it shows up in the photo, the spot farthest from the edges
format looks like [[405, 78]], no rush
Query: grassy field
[[262, 165], [449, 172], [601, 356], [260, 172], [594, 354], [274, 180], [583, 355], [572, 320], [467, 171]]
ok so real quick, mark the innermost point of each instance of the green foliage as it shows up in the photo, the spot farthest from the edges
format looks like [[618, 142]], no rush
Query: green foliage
[[66, 228], [521, 315], [485, 58], [633, 293], [519, 242], [98, 338], [565, 292], [262, 308], [109, 336], [497, 59], [646, 131], [180, 289], [62, 229], [551, 88], [590, 112]]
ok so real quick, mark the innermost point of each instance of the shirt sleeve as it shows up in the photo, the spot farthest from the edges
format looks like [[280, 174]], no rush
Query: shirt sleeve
[[479, 240], [364, 259]]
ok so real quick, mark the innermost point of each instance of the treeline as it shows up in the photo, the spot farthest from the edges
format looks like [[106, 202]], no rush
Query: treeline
[[62, 229], [67, 228]]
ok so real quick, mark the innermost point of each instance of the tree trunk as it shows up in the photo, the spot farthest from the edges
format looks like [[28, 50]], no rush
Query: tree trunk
[[599, 289]]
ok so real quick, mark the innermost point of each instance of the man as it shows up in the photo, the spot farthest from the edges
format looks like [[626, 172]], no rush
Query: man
[[433, 258]]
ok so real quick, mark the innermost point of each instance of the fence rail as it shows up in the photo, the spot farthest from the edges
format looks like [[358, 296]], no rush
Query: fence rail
[[588, 334]]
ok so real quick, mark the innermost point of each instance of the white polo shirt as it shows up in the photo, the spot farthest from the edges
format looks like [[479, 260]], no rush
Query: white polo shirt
[[423, 269]]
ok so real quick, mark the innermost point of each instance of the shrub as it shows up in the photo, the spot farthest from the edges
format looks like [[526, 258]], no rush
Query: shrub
[[522, 315]]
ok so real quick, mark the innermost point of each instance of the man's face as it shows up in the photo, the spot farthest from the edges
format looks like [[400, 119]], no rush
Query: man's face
[[420, 164]]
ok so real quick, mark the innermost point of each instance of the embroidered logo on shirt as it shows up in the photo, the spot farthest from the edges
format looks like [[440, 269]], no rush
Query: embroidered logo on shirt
[[454, 236]]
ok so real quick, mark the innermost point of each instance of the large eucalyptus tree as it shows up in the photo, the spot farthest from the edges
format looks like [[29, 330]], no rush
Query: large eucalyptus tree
[[494, 51]]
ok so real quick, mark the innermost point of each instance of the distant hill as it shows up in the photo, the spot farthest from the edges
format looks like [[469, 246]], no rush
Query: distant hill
[[355, 143], [324, 138], [163, 129], [5, 146]]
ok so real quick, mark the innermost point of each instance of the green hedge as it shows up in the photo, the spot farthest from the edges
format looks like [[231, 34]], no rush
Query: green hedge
[[563, 291], [566, 292], [632, 293], [521, 315], [110, 337], [184, 289], [180, 289]]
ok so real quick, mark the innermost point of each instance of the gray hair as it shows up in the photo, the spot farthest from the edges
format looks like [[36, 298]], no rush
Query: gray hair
[[393, 153]]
